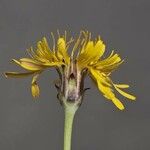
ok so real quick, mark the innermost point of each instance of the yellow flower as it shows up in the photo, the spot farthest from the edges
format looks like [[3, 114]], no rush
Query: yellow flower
[[86, 58]]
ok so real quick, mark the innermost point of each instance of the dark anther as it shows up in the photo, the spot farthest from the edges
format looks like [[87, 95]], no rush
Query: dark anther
[[84, 71], [57, 87], [86, 89], [57, 96], [72, 76], [71, 100], [60, 100], [63, 67]]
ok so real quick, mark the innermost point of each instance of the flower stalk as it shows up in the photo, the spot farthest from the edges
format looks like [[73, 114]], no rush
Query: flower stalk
[[70, 110]]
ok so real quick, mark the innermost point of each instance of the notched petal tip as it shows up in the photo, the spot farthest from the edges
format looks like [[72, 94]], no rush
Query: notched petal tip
[[34, 87]]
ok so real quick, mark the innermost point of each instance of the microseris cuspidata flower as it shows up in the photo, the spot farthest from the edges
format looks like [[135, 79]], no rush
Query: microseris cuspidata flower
[[86, 58]]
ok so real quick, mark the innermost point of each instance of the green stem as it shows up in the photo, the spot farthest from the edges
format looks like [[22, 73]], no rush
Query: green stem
[[70, 110]]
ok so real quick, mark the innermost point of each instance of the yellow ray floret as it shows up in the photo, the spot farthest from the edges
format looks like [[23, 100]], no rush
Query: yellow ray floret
[[105, 85], [62, 50], [129, 96], [106, 89], [91, 52]]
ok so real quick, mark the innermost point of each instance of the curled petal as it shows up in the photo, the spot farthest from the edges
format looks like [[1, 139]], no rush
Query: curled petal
[[35, 90], [17, 74], [34, 87]]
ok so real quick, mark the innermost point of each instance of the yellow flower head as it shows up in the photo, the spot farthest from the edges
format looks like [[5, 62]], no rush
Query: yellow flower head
[[86, 58]]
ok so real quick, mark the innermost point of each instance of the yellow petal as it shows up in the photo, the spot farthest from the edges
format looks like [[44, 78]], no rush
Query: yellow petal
[[62, 50], [85, 57], [29, 65], [45, 43], [107, 91], [91, 52], [99, 77], [41, 64], [118, 103], [30, 61], [48, 53], [101, 84], [129, 96], [44, 52], [35, 90], [99, 49], [17, 74], [109, 64], [61, 44], [34, 87], [51, 64], [109, 61], [87, 47], [122, 86]]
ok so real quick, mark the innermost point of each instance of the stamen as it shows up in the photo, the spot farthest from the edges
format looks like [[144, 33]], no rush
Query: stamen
[[31, 52], [70, 41], [53, 38], [76, 45], [71, 76], [82, 44], [58, 33], [65, 36], [90, 35], [86, 35]]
